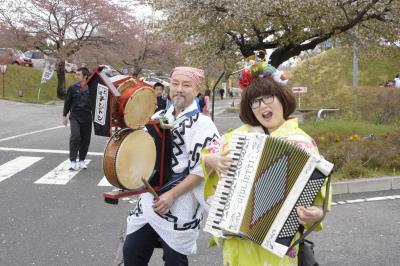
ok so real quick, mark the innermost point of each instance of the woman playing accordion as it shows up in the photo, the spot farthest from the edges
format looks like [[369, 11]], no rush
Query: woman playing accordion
[[265, 108]]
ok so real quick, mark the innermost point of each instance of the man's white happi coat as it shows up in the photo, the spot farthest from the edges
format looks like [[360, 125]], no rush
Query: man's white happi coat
[[180, 227]]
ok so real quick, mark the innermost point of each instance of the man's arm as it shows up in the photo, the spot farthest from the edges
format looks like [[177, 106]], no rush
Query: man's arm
[[67, 102], [166, 200], [67, 106]]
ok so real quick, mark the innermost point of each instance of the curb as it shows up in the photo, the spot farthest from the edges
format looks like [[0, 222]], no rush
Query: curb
[[366, 185]]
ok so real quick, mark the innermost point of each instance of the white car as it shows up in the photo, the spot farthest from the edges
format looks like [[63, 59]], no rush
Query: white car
[[39, 59], [153, 80]]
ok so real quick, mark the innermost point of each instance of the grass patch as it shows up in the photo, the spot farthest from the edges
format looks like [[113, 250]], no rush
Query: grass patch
[[364, 140], [28, 80], [328, 76], [357, 148], [346, 128]]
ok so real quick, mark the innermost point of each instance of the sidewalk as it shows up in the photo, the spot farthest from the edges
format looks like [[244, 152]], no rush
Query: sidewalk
[[366, 185]]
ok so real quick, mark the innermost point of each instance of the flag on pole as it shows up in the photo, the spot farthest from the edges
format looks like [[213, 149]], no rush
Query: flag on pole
[[47, 71]]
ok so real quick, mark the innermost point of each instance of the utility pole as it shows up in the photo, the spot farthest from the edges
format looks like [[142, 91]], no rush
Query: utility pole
[[355, 67], [213, 95]]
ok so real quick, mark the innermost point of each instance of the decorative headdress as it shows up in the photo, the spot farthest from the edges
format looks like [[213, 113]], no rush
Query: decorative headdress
[[257, 66]]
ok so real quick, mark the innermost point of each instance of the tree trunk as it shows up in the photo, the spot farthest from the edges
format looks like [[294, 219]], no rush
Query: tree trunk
[[136, 68], [61, 79]]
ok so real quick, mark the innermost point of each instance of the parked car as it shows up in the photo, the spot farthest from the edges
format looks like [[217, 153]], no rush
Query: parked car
[[38, 58], [165, 78], [153, 80], [14, 56]]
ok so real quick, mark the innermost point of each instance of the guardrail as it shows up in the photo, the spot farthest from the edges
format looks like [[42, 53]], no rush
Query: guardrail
[[323, 113]]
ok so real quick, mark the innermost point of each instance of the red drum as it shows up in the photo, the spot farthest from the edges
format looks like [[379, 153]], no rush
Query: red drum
[[136, 104]]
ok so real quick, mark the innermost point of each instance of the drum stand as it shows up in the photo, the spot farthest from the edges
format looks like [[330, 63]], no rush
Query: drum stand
[[112, 197]]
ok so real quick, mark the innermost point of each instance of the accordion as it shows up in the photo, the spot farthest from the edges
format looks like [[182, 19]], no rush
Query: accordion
[[257, 198]]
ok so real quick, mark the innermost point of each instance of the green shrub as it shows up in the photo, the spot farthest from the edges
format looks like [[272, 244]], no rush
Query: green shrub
[[363, 155]]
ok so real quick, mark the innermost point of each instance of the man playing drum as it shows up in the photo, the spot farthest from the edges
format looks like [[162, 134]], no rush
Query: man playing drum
[[174, 219]]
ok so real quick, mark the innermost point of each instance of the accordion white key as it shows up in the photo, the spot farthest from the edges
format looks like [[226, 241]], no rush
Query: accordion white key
[[267, 180]]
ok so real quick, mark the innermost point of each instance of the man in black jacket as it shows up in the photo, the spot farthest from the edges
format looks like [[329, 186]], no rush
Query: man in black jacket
[[159, 89], [77, 103]]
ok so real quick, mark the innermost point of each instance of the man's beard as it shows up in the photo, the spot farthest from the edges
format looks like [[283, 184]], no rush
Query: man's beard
[[178, 103]]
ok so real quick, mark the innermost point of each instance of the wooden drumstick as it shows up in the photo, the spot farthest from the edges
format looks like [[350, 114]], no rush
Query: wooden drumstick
[[151, 190]]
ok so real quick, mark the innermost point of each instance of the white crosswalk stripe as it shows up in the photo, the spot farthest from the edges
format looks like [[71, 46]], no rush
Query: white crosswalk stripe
[[104, 182], [59, 175], [14, 166]]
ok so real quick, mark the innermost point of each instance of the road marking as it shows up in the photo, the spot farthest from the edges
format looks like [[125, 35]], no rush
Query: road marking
[[14, 166], [60, 175], [104, 182], [46, 151], [30, 133], [366, 200]]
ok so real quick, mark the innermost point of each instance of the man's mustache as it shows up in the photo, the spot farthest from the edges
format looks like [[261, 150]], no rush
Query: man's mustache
[[178, 94]]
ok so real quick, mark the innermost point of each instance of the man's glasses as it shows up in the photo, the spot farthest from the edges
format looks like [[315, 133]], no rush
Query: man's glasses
[[266, 99]]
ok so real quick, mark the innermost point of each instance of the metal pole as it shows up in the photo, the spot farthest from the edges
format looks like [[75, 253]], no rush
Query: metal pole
[[213, 90], [355, 67], [3, 84], [38, 95], [299, 101]]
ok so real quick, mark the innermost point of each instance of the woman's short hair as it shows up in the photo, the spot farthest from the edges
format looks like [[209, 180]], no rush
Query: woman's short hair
[[265, 86]]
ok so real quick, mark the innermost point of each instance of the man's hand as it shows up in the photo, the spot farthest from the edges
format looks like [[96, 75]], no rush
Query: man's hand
[[65, 120], [309, 215], [164, 203]]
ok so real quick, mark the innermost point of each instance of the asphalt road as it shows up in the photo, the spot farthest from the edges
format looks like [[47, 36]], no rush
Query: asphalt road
[[69, 224]]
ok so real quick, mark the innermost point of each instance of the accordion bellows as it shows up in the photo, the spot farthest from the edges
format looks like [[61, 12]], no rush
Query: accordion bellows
[[258, 197]]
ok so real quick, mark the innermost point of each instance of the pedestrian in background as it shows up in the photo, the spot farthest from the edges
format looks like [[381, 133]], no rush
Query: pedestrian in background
[[77, 103], [199, 101], [221, 93], [161, 102], [206, 99]]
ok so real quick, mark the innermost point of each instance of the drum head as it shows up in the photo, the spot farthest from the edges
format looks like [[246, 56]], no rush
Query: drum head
[[140, 107], [136, 159]]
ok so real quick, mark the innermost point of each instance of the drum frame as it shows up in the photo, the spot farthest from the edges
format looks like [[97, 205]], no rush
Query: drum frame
[[112, 197], [118, 108]]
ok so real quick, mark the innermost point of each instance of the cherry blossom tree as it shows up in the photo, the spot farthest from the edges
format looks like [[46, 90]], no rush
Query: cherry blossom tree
[[226, 28], [65, 26]]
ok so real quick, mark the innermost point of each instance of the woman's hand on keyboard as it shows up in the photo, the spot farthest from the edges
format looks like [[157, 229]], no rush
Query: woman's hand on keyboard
[[220, 162]]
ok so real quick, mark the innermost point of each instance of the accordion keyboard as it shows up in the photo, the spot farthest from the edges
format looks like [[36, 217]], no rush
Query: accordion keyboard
[[222, 192]]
